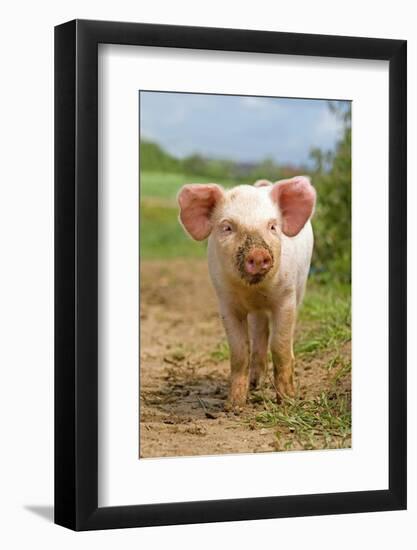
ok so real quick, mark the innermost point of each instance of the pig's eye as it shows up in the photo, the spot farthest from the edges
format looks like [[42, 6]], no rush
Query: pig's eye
[[226, 228], [273, 227]]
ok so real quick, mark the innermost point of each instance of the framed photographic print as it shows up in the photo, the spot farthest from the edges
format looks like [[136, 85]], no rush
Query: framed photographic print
[[230, 252]]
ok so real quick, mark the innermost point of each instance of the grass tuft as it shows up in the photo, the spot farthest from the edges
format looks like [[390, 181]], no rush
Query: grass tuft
[[221, 353], [325, 316], [321, 422]]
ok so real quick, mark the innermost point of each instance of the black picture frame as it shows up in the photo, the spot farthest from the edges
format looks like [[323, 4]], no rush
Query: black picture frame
[[76, 273]]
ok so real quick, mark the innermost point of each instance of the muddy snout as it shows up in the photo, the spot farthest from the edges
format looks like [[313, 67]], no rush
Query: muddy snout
[[258, 262], [254, 260]]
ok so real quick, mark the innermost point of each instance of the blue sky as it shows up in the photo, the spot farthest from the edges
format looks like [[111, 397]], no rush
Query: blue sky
[[241, 128]]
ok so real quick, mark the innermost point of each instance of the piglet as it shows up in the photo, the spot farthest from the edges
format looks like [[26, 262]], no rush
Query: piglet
[[260, 242]]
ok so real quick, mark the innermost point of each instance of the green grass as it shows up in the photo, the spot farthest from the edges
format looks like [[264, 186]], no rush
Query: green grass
[[163, 185], [326, 319], [221, 353], [324, 421], [161, 235]]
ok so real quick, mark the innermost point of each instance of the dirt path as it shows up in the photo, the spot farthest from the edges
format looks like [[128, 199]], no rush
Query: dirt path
[[184, 371]]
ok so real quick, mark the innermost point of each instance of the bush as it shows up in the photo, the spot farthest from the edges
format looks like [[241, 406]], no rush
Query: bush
[[332, 221], [154, 158]]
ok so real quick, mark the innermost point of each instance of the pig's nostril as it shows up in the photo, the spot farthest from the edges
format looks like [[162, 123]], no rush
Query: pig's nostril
[[258, 261]]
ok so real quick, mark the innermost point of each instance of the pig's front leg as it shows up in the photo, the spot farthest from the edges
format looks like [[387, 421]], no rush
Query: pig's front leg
[[236, 326], [259, 333], [282, 339]]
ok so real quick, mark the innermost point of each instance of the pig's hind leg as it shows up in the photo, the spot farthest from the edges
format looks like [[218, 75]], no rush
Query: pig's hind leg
[[258, 334]]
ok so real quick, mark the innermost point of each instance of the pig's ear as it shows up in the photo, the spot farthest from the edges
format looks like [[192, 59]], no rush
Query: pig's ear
[[197, 202], [262, 183], [295, 198]]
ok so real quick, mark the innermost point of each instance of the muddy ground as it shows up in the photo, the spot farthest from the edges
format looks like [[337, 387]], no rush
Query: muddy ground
[[184, 372]]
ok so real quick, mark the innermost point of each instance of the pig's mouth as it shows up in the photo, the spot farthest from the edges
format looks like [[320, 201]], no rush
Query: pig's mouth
[[250, 243], [254, 279]]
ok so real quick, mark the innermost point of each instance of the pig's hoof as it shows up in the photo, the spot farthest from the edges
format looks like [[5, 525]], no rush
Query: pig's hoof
[[256, 381], [285, 391]]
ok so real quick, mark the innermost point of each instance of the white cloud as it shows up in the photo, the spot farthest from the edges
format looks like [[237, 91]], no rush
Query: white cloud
[[328, 128], [242, 128]]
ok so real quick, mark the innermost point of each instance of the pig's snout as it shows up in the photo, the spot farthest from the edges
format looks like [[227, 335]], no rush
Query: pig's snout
[[254, 259], [258, 261]]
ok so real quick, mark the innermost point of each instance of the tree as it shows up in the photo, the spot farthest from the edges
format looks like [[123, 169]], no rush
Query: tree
[[266, 169], [154, 158], [332, 221]]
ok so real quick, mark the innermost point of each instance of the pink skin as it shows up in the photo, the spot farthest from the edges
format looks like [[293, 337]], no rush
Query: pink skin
[[197, 203], [296, 198], [258, 261], [247, 331]]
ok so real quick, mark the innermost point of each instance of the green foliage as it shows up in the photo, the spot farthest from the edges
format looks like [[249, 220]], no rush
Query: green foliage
[[195, 164], [267, 170], [332, 220], [153, 157]]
